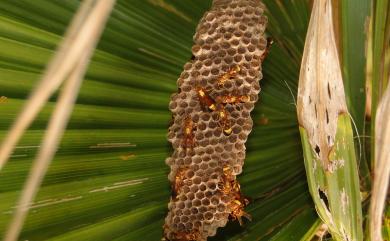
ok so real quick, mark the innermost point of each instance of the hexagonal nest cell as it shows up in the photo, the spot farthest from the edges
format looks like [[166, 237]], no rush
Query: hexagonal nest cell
[[211, 119]]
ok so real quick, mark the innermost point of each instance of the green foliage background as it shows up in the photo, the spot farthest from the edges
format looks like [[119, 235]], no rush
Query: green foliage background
[[95, 190]]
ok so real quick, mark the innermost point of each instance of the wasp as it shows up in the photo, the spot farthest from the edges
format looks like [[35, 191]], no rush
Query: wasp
[[229, 184], [205, 99], [187, 236], [232, 99], [225, 185], [224, 121], [179, 180], [189, 128], [237, 210], [227, 171], [228, 75], [223, 115], [193, 235], [270, 41]]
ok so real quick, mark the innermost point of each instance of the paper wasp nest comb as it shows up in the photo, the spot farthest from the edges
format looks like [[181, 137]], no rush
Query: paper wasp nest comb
[[211, 119]]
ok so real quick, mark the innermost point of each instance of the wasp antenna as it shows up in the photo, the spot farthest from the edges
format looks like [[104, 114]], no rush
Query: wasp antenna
[[247, 216], [240, 221]]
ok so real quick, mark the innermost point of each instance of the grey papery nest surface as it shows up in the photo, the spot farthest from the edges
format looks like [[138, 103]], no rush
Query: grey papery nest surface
[[211, 119]]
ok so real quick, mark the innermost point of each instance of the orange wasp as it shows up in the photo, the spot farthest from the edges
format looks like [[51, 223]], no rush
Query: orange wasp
[[224, 121], [228, 75], [181, 236], [179, 180], [187, 236], [232, 99], [188, 131], [229, 185], [205, 99], [237, 210]]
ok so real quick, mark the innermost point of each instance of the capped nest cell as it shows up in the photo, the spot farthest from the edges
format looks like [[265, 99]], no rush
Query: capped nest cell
[[211, 119]]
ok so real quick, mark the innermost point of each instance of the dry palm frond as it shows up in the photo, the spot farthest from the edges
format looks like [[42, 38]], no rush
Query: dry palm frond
[[78, 37], [382, 167], [326, 130], [71, 60]]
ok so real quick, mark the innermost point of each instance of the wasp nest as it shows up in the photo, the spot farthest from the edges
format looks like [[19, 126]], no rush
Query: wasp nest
[[211, 119]]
